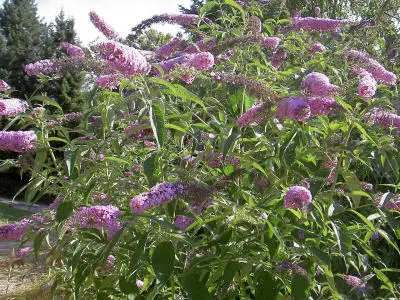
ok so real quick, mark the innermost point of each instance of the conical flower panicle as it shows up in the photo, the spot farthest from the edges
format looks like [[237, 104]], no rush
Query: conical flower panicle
[[17, 141]]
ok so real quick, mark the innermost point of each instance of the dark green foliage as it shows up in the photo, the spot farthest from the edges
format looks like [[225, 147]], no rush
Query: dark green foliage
[[23, 36]]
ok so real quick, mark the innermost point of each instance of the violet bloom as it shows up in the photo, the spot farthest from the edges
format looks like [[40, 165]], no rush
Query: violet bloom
[[4, 86], [72, 50], [253, 116], [168, 50], [318, 84], [367, 85], [323, 105], [23, 251], [184, 19], [158, 195], [149, 144], [375, 236], [12, 107], [317, 24], [392, 54], [12, 232], [104, 28], [17, 141], [366, 186], [282, 111], [278, 57], [183, 222], [355, 282], [100, 217], [363, 61], [127, 60], [271, 42], [56, 203], [297, 197], [110, 81], [260, 181], [316, 47], [299, 110], [331, 178]]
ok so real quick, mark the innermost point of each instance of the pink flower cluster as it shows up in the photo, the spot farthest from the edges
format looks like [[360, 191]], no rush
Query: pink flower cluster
[[110, 81], [378, 116], [56, 203], [217, 160], [109, 265], [104, 28], [100, 197], [317, 84], [298, 197], [355, 282], [4, 86], [132, 132], [127, 60], [100, 217], [316, 24], [72, 50], [278, 57], [199, 61], [23, 251], [12, 107], [300, 109], [367, 85], [168, 50], [254, 115], [287, 266], [330, 163], [15, 231], [158, 195], [316, 47], [271, 42], [17, 141], [45, 66], [362, 60]]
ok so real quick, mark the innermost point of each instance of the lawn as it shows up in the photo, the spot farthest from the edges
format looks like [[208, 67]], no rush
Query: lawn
[[11, 214]]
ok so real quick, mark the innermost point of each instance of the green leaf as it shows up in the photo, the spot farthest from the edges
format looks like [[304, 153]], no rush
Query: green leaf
[[127, 286], [162, 260], [233, 135], [38, 242], [266, 285], [386, 281], [206, 7], [40, 159], [47, 101], [229, 273], [344, 241], [64, 210], [194, 287], [300, 287], [236, 6], [118, 160], [150, 167], [157, 122], [69, 158]]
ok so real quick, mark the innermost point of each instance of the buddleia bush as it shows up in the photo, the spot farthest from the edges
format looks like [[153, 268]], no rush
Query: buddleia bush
[[255, 160]]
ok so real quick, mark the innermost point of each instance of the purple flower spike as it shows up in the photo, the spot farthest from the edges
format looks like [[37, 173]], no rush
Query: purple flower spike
[[297, 197]]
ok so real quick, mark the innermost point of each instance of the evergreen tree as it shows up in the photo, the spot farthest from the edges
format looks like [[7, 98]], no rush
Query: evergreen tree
[[22, 37], [194, 7], [65, 90]]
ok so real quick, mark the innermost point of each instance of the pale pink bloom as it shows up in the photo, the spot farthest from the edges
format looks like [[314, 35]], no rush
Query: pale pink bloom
[[12, 107], [109, 265], [56, 203], [355, 282], [271, 42], [139, 284], [323, 105], [4, 86], [278, 57], [104, 28], [253, 116], [297, 197], [316, 47], [17, 141], [45, 66], [110, 81], [367, 85], [127, 60], [149, 144], [168, 50], [318, 84], [72, 50], [23, 251], [201, 46]]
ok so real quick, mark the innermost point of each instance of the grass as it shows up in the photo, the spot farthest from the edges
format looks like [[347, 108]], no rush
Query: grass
[[10, 214]]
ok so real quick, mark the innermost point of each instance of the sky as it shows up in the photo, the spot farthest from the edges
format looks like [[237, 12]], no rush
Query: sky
[[122, 15]]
